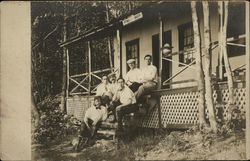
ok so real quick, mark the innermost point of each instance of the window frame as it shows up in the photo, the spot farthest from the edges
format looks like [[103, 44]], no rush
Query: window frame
[[135, 42], [181, 35]]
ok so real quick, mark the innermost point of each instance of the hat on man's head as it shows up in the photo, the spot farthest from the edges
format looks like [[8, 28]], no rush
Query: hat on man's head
[[131, 61]]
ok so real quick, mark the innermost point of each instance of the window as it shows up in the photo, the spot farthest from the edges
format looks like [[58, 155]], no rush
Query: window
[[186, 42], [132, 51]]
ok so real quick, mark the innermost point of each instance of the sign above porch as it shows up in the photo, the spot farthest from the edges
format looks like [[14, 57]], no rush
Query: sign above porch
[[132, 18]]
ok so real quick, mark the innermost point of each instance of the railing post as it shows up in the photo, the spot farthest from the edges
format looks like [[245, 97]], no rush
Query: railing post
[[161, 45], [119, 52], [67, 88], [89, 56]]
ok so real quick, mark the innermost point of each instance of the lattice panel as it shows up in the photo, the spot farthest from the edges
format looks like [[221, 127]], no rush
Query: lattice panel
[[180, 108], [77, 106], [151, 119], [222, 100]]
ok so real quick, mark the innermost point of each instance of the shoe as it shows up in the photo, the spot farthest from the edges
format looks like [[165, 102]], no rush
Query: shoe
[[76, 144]]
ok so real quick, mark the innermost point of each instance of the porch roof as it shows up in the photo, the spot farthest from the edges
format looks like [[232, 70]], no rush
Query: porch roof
[[149, 10]]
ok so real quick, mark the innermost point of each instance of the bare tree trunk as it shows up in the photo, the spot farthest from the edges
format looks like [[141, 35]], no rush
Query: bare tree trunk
[[220, 10], [63, 97], [200, 76], [34, 101], [34, 111], [207, 66], [226, 60]]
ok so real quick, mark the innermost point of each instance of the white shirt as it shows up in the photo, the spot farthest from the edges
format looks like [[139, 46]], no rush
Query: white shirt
[[126, 95], [102, 89], [149, 73], [133, 75], [113, 87], [96, 114]]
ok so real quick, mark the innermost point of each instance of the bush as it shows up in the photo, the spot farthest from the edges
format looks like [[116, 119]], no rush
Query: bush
[[54, 125]]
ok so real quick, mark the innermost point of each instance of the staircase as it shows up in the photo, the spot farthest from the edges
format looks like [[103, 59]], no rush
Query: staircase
[[107, 129]]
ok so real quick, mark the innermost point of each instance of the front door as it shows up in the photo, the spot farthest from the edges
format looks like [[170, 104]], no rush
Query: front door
[[166, 65]]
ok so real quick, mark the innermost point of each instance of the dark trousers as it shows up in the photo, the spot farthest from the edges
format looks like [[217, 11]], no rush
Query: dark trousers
[[121, 111], [134, 86], [112, 108], [105, 100], [89, 133]]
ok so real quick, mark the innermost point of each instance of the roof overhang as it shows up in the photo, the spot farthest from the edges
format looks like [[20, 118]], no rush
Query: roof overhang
[[146, 12]]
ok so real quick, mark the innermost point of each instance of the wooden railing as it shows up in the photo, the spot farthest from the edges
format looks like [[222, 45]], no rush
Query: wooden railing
[[85, 83]]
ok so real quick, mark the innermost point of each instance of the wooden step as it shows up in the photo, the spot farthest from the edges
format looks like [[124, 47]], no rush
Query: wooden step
[[106, 132], [109, 125]]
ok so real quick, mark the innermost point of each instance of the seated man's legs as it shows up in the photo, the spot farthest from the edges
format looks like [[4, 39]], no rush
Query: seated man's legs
[[134, 86], [112, 108], [145, 88], [121, 111], [84, 131]]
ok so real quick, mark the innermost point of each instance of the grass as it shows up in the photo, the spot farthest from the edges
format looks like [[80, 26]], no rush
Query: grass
[[151, 145], [130, 149]]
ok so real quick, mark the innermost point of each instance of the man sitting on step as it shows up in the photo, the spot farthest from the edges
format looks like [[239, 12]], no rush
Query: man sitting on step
[[126, 99], [133, 77], [92, 121], [103, 90], [149, 79]]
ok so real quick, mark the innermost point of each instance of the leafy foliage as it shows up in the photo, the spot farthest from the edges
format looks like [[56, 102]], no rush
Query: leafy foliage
[[54, 125], [48, 19]]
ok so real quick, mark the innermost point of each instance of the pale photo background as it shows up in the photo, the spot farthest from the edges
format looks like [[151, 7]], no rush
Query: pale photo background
[[15, 141], [15, 79]]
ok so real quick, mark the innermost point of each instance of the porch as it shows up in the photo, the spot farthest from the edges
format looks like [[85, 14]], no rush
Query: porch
[[177, 105]]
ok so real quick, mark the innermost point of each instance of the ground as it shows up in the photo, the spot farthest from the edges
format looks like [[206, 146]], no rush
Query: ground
[[174, 145]]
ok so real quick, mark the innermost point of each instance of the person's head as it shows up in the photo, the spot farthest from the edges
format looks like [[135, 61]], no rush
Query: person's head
[[148, 59], [112, 77], [105, 79], [97, 101], [131, 63], [121, 83]]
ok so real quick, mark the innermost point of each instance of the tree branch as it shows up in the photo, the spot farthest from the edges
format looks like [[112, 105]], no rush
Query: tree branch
[[45, 37]]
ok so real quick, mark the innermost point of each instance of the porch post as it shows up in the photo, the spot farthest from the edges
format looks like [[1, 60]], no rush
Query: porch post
[[247, 83], [220, 55], [119, 52], [109, 40], [67, 88], [89, 55], [160, 56]]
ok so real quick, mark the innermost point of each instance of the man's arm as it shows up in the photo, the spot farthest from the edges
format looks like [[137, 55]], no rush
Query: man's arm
[[105, 114], [126, 78], [150, 75], [86, 117], [127, 103], [115, 97]]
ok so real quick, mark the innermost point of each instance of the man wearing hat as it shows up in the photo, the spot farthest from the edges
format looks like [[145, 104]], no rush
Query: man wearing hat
[[133, 77]]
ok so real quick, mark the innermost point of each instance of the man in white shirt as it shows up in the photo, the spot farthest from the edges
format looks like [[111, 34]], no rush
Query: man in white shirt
[[127, 102], [113, 84], [104, 91], [92, 121], [149, 78], [133, 77]]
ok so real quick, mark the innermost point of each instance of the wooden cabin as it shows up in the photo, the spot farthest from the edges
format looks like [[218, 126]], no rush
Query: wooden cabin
[[145, 31]]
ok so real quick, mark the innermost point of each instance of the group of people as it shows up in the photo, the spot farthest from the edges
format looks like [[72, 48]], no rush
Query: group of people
[[119, 96]]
